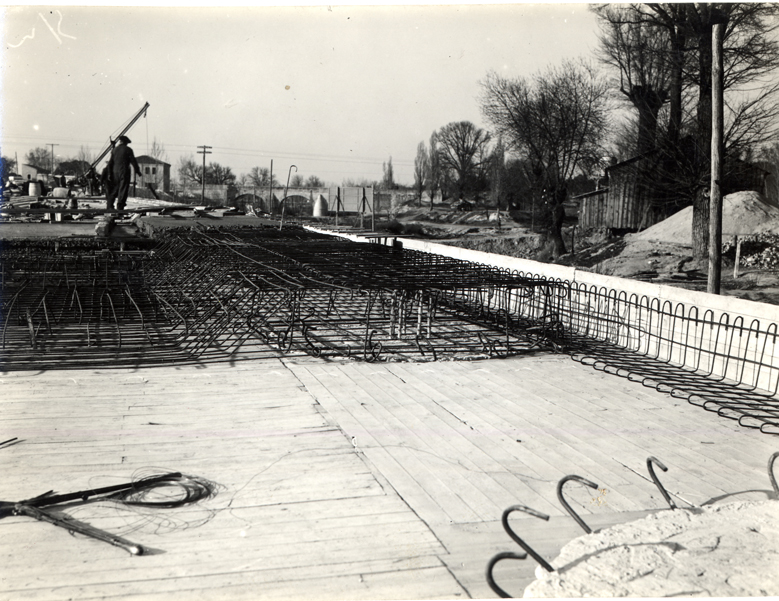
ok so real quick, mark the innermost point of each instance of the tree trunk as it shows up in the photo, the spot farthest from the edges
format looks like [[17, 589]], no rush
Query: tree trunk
[[557, 216], [648, 103], [678, 40]]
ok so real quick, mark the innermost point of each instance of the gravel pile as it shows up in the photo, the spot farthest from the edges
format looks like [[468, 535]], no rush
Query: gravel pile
[[743, 213]]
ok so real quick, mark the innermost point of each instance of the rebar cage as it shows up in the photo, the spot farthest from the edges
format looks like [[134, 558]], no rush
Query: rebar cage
[[260, 292], [199, 297]]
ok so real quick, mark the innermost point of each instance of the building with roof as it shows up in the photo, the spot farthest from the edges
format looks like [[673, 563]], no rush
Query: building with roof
[[154, 173], [31, 172]]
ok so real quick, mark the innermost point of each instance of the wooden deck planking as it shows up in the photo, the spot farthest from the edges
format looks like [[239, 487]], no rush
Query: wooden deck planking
[[548, 459], [273, 450], [715, 474], [493, 472], [600, 426], [431, 446], [458, 445], [410, 511], [520, 472], [377, 432]]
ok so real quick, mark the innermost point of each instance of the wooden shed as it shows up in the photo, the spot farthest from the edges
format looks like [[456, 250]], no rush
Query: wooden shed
[[636, 197], [625, 203]]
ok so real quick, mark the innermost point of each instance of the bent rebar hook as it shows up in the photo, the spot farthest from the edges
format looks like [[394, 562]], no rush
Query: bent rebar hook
[[567, 507], [664, 492], [771, 476], [510, 555], [519, 541], [491, 564]]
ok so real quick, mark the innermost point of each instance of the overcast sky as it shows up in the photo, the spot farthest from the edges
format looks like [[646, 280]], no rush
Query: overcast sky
[[336, 91]]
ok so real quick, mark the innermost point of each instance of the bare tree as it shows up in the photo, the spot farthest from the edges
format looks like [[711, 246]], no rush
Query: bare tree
[[462, 150], [642, 56], [39, 157], [497, 173], [750, 54], [157, 151], [388, 181], [189, 171], [260, 177], [434, 174], [84, 155], [312, 181], [219, 174], [554, 121], [421, 170]]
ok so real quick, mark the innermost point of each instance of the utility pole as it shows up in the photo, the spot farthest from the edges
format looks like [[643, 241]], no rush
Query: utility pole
[[52, 158], [717, 127], [205, 150], [270, 189]]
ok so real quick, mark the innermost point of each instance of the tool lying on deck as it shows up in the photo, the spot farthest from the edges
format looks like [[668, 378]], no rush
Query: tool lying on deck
[[191, 490], [546, 565]]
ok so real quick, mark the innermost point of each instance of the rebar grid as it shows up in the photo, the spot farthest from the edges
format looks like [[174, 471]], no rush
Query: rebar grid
[[225, 296], [329, 298], [220, 296]]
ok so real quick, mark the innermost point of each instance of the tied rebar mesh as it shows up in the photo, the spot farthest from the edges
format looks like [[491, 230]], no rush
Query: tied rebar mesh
[[209, 297], [202, 297], [298, 292]]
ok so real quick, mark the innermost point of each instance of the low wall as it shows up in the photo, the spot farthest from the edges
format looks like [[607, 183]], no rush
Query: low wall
[[720, 337], [729, 304], [724, 339]]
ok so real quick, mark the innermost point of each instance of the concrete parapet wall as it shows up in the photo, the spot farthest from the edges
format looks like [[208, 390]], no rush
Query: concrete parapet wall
[[725, 339], [721, 337], [728, 304]]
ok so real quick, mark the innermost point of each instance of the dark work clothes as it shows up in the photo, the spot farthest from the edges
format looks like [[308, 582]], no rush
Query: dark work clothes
[[121, 159], [107, 179]]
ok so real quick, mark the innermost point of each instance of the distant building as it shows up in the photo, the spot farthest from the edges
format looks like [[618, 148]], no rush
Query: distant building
[[31, 172], [154, 173]]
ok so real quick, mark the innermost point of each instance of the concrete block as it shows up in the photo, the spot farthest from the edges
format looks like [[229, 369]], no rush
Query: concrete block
[[104, 226]]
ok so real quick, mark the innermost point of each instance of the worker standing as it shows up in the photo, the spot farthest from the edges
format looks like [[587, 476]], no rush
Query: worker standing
[[122, 157], [109, 186]]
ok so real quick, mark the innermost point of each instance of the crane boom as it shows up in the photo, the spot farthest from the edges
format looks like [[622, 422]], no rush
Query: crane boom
[[108, 148]]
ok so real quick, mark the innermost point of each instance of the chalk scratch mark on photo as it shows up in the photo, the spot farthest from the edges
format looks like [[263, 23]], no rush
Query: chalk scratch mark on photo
[[58, 35]]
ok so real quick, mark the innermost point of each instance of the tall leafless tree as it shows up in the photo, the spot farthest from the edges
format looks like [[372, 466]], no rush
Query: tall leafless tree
[[462, 150], [750, 54], [388, 179], [39, 157], [260, 177], [642, 57], [555, 121], [434, 175], [190, 172], [157, 151], [421, 170]]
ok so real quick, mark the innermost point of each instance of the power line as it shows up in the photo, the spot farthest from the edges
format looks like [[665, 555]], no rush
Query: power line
[[75, 142]]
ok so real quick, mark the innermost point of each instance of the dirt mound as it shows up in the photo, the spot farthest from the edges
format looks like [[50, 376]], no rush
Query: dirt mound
[[743, 213]]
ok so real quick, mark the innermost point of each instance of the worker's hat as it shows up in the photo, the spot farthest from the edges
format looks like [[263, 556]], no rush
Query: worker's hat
[[125, 139]]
